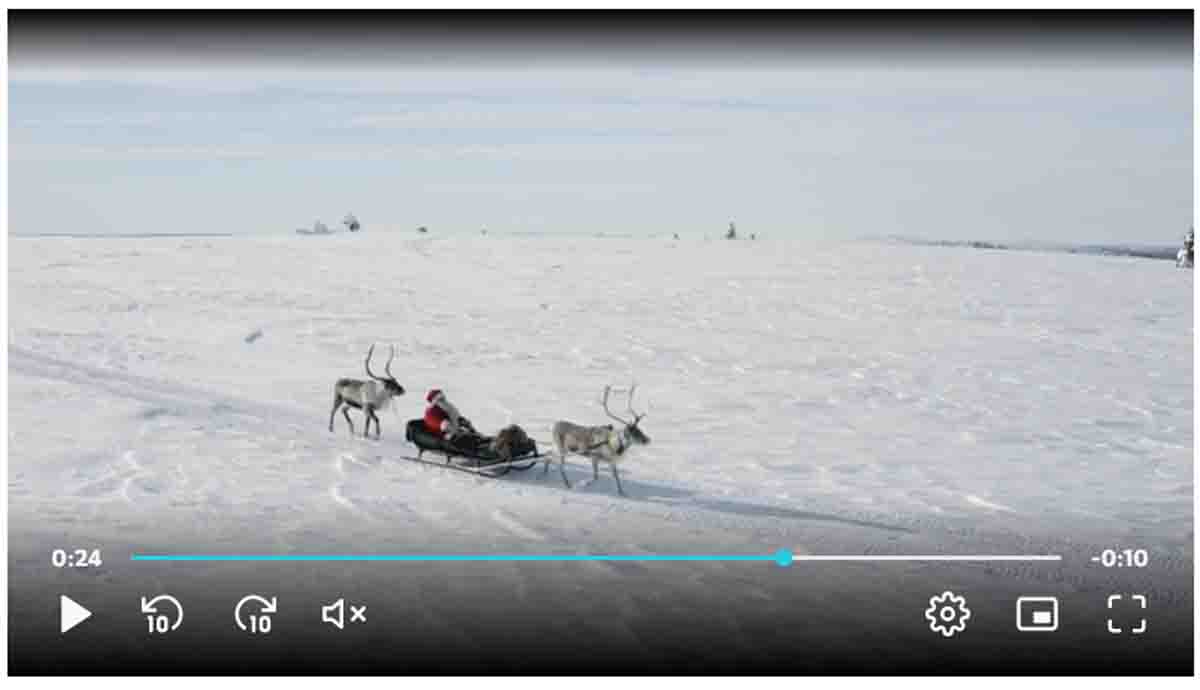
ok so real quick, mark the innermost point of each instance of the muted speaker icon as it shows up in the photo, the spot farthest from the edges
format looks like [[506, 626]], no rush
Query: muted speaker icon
[[335, 614]]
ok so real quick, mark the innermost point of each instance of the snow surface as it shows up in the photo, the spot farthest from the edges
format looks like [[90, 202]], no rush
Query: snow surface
[[172, 395]]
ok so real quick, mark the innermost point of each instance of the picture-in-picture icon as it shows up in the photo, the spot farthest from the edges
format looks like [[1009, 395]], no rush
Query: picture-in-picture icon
[[1037, 614]]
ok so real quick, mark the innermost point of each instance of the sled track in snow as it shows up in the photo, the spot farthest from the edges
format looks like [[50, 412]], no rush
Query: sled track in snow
[[164, 396]]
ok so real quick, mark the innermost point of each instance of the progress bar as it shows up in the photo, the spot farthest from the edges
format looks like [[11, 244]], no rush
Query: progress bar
[[782, 558]]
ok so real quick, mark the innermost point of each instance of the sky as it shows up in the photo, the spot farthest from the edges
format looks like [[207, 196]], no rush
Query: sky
[[838, 128]]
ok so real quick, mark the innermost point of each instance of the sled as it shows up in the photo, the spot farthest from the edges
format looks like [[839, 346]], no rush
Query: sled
[[470, 454]]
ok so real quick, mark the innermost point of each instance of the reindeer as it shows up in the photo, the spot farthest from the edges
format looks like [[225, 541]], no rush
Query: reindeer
[[367, 396], [599, 443]]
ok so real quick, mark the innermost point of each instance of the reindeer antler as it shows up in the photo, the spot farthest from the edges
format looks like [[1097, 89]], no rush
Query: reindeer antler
[[636, 417], [367, 363], [388, 367], [607, 411]]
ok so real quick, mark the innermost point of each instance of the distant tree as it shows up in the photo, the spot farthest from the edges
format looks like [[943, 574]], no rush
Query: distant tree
[[731, 234], [422, 229]]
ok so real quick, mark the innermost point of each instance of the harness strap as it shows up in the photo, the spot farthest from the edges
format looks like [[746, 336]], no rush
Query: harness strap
[[619, 447], [615, 440]]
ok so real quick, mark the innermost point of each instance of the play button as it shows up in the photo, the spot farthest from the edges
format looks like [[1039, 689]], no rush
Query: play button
[[71, 614]]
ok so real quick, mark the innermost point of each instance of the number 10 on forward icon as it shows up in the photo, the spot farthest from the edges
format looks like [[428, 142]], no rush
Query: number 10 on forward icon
[[255, 623]]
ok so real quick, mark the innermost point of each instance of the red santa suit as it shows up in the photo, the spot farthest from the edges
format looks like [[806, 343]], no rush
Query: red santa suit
[[441, 417]]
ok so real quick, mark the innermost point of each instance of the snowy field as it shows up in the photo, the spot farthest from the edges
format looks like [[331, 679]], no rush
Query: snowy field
[[185, 384], [172, 395]]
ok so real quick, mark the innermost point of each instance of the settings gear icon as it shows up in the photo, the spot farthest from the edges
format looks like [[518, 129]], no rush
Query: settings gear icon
[[947, 613]]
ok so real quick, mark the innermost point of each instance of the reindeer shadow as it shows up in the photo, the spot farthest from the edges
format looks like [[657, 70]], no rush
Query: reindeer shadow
[[759, 510], [640, 491], [582, 482]]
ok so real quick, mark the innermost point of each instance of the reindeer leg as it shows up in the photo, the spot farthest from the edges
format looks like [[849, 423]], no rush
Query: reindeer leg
[[546, 465], [337, 402], [346, 414], [595, 468], [378, 430], [617, 476], [367, 414], [562, 469]]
